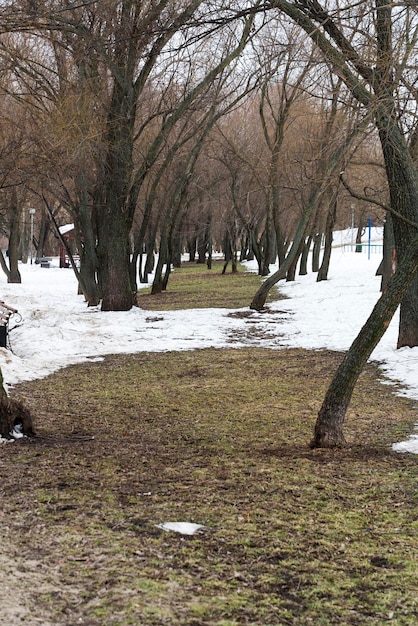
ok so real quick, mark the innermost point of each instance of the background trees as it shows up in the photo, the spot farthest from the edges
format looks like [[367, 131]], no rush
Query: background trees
[[116, 94], [111, 82]]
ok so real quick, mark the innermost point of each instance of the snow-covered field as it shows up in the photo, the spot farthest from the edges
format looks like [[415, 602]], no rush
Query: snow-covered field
[[54, 328]]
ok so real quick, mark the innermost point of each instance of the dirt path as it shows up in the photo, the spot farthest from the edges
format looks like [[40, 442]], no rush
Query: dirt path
[[14, 605]]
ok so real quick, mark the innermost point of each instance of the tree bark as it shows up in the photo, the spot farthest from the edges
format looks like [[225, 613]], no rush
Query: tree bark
[[303, 270], [388, 264], [113, 256], [317, 240], [114, 219], [328, 431], [291, 272], [332, 214], [208, 237], [86, 244], [403, 186]]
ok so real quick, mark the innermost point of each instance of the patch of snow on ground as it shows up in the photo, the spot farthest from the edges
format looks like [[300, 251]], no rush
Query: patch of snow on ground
[[184, 528]]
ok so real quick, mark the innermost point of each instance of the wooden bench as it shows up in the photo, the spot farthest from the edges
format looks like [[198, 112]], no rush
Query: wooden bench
[[6, 312]]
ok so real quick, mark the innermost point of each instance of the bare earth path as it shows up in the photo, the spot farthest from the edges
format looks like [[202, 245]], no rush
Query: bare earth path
[[14, 584]]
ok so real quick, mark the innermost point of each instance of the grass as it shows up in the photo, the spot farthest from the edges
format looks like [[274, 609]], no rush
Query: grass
[[194, 286], [218, 437]]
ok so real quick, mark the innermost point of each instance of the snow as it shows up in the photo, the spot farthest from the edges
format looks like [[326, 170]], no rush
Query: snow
[[184, 528], [55, 328], [67, 228]]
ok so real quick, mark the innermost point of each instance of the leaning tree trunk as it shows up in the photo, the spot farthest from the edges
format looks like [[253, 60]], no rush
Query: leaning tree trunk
[[328, 431], [260, 297], [291, 273]]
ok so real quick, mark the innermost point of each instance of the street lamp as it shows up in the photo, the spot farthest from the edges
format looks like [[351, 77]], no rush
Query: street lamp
[[31, 213]]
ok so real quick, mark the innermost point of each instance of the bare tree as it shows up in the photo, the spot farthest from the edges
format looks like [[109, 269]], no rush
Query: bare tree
[[376, 81]]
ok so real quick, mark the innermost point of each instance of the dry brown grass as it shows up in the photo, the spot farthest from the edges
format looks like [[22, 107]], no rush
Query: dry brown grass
[[217, 437]]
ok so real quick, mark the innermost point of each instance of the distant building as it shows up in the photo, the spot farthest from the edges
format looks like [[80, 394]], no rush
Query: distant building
[[67, 233]]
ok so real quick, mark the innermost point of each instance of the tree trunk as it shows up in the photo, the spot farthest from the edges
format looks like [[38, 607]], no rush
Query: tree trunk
[[44, 230], [208, 236], [408, 318], [265, 267], [328, 431], [388, 263], [114, 211], [303, 269], [361, 229], [255, 249], [291, 272], [201, 249], [167, 272], [157, 284], [227, 249], [191, 248], [177, 249], [403, 186], [113, 255], [316, 252], [86, 244], [332, 214], [150, 259], [13, 275]]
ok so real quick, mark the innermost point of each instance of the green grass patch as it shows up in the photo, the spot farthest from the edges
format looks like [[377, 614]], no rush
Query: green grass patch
[[193, 286], [217, 437]]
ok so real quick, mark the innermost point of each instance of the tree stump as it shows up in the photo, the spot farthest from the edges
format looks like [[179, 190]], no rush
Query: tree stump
[[13, 413]]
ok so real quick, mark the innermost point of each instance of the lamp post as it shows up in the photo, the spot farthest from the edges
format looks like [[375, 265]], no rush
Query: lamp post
[[31, 213]]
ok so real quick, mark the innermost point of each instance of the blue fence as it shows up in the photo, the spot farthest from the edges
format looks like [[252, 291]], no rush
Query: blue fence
[[364, 247]]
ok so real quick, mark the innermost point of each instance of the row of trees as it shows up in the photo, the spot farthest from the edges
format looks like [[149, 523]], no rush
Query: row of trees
[[220, 141], [259, 123]]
